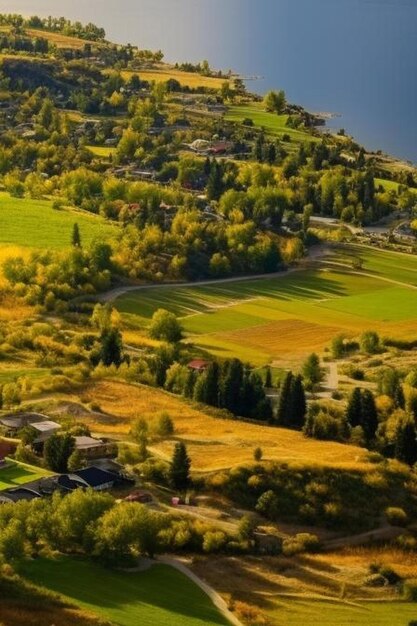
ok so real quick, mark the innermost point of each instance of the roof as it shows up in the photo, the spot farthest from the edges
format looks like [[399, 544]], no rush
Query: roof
[[88, 477], [20, 493], [86, 443], [19, 420], [46, 426], [198, 364]]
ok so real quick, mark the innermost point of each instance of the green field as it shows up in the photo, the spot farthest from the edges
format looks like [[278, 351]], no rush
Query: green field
[[34, 223], [272, 123], [102, 151], [293, 612], [278, 318], [159, 596], [18, 474]]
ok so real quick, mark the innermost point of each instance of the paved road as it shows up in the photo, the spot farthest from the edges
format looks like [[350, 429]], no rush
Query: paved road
[[212, 593]]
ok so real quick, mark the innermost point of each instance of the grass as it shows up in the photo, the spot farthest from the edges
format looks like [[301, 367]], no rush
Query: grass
[[187, 79], [160, 595], [293, 612], [17, 474], [103, 152], [273, 124], [281, 319], [34, 223], [214, 443]]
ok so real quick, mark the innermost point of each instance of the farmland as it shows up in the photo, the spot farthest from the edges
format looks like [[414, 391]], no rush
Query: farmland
[[17, 474], [35, 224], [213, 442], [161, 595], [280, 319], [273, 124]]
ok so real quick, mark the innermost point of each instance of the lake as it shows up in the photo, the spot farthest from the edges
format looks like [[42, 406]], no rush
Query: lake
[[353, 57]]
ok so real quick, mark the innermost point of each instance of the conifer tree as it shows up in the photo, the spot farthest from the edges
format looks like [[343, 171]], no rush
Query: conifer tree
[[354, 408], [284, 400], [76, 237], [179, 473], [369, 415], [268, 378], [406, 442], [298, 406]]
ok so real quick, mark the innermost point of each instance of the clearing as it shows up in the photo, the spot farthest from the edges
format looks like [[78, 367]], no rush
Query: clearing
[[160, 595], [186, 79], [214, 443], [34, 223]]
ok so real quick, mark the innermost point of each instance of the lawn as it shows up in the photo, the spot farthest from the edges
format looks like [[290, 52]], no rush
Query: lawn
[[293, 612], [281, 319], [159, 596], [34, 223], [272, 123], [213, 442], [103, 152], [187, 79], [18, 474]]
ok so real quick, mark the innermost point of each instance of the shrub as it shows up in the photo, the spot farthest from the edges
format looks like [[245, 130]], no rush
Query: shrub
[[214, 540], [410, 590], [302, 542], [165, 425], [396, 516]]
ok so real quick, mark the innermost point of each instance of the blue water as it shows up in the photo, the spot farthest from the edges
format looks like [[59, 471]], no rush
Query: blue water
[[353, 57]]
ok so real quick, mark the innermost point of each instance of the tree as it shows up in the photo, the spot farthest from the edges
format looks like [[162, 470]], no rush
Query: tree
[[369, 342], [76, 461], [284, 400], [165, 426], [312, 372], [57, 451], [165, 326], [111, 350], [268, 378], [275, 101], [406, 442], [258, 454], [354, 408], [298, 406], [76, 237], [231, 386], [179, 473], [369, 415]]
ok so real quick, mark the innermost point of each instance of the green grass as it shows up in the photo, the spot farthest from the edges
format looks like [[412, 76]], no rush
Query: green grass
[[34, 223], [160, 596], [102, 151], [293, 612], [260, 320], [272, 123], [19, 474], [12, 374]]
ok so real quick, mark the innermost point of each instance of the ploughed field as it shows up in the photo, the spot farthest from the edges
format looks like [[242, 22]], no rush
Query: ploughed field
[[283, 318]]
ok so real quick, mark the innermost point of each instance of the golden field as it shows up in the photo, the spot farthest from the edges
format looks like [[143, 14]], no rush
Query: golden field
[[214, 443]]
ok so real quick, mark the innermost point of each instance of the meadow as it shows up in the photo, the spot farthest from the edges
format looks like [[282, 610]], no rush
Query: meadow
[[160, 595], [34, 223], [16, 474], [272, 123], [213, 442], [187, 79], [280, 319]]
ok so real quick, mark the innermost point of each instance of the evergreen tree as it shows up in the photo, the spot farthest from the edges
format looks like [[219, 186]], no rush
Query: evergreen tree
[[190, 382], [231, 386], [212, 382], [76, 237], [268, 378], [354, 409], [399, 398], [369, 415], [298, 406], [215, 181], [111, 351], [179, 473], [406, 442], [284, 400], [57, 451], [312, 371]]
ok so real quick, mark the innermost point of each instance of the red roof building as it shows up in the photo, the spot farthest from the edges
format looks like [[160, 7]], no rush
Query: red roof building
[[198, 365]]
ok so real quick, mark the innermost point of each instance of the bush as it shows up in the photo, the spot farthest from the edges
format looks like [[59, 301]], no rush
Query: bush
[[303, 542], [410, 590], [396, 516]]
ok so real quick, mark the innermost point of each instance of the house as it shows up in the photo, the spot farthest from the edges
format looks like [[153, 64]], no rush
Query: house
[[45, 430], [18, 494], [144, 497], [198, 365], [13, 422], [91, 448], [91, 477]]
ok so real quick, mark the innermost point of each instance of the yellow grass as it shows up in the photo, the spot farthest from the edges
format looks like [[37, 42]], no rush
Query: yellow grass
[[60, 40], [187, 79], [13, 615], [101, 151], [404, 563], [213, 443]]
